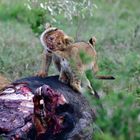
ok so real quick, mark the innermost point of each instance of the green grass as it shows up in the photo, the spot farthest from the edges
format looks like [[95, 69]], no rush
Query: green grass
[[19, 49], [116, 25]]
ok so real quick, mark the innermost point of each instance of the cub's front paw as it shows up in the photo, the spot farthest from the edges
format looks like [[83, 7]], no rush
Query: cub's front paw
[[64, 79], [76, 87], [42, 74]]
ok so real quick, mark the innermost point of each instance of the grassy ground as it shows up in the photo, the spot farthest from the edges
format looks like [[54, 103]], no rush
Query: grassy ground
[[18, 51], [116, 24]]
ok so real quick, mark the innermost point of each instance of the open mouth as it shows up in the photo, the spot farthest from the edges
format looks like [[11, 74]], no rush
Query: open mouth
[[51, 47], [49, 51]]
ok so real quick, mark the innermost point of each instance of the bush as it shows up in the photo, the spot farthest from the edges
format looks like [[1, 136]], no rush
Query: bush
[[120, 119]]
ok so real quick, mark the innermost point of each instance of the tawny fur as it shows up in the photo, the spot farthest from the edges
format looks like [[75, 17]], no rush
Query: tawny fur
[[66, 56]]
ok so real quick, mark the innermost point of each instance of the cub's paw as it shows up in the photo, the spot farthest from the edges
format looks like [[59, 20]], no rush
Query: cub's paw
[[64, 79], [76, 87], [42, 74]]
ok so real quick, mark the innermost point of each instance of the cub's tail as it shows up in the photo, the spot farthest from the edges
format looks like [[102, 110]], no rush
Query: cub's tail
[[92, 42], [108, 77]]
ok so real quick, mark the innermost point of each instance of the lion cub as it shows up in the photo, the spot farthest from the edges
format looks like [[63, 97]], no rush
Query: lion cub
[[68, 57]]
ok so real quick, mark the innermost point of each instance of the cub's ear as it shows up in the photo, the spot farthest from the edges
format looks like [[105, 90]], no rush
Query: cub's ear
[[92, 41], [68, 40], [47, 26]]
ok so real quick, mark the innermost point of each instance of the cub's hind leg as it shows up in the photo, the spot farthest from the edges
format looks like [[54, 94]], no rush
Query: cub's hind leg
[[75, 81], [87, 87], [73, 73]]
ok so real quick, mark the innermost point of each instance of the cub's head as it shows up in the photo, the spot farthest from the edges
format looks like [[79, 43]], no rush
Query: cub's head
[[54, 39]]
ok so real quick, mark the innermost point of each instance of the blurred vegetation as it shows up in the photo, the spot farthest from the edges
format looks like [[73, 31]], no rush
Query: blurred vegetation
[[116, 25]]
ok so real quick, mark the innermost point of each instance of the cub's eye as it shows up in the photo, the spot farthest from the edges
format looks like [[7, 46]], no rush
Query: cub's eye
[[51, 38], [59, 43]]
